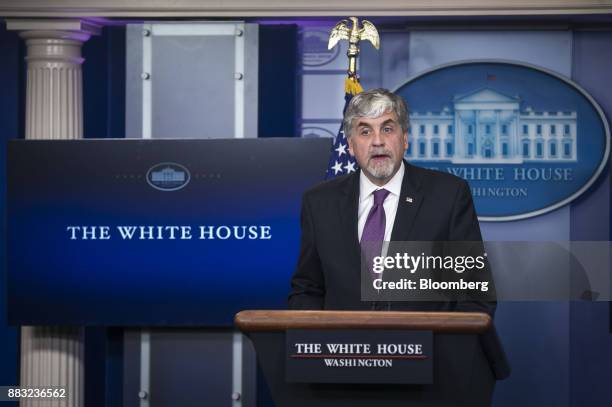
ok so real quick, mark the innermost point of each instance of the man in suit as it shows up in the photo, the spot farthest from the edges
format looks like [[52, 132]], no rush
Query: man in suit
[[387, 199]]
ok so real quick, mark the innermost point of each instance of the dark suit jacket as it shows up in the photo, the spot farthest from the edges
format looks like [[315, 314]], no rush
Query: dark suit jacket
[[329, 265]]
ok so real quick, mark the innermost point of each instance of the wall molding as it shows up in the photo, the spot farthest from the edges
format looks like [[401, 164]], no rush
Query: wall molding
[[287, 8]]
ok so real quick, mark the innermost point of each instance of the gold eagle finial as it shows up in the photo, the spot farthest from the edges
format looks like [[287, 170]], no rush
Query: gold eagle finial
[[353, 35]]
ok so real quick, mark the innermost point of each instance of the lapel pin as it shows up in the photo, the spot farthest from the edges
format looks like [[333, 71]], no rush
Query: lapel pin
[[409, 199]]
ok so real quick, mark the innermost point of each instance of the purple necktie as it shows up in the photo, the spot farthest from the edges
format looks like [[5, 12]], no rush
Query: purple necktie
[[374, 229]]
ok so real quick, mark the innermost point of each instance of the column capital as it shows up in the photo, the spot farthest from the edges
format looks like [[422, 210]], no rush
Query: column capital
[[53, 41], [60, 29], [54, 91]]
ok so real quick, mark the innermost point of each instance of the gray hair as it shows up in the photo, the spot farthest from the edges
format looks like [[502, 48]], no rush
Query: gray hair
[[372, 104]]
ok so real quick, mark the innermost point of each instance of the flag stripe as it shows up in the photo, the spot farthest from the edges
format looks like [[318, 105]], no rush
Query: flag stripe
[[340, 161]]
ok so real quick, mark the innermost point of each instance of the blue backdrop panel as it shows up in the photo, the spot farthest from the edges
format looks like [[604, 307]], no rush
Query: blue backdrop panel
[[11, 100], [278, 90], [55, 279], [104, 84]]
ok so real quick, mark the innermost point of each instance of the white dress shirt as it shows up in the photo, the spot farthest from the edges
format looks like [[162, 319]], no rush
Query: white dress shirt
[[366, 200]]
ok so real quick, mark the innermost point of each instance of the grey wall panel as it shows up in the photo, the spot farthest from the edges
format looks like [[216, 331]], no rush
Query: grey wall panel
[[536, 335], [251, 80], [193, 87], [591, 336], [187, 367], [133, 81], [192, 80], [548, 49], [191, 368], [131, 367]]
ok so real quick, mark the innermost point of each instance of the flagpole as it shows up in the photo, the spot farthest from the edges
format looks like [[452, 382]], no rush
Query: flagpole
[[340, 161]]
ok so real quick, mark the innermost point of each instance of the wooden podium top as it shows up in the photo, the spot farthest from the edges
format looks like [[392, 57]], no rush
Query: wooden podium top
[[441, 322]]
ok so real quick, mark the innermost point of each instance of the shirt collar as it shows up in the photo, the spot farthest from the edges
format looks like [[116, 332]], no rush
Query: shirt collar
[[367, 187]]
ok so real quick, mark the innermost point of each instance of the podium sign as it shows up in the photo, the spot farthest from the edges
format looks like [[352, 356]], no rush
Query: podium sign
[[359, 356]]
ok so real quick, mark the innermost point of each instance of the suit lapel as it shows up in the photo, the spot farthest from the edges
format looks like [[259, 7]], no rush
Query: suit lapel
[[349, 207], [410, 201]]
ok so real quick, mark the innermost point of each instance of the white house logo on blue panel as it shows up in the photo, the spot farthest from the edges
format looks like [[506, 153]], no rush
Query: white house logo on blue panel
[[527, 140], [168, 176]]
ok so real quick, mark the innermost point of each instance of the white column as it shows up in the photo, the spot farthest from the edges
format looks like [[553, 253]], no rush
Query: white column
[[54, 94], [477, 134], [53, 356], [515, 141], [497, 136], [458, 137]]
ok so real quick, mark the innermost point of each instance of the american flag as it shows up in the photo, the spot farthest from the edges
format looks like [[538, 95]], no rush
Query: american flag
[[340, 161]]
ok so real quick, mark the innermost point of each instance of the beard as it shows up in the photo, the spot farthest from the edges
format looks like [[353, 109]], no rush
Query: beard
[[381, 168]]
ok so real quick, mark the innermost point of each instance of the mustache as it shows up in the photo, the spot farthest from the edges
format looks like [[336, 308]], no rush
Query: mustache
[[383, 151]]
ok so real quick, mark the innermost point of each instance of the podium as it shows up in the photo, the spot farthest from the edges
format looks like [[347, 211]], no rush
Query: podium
[[462, 375]]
